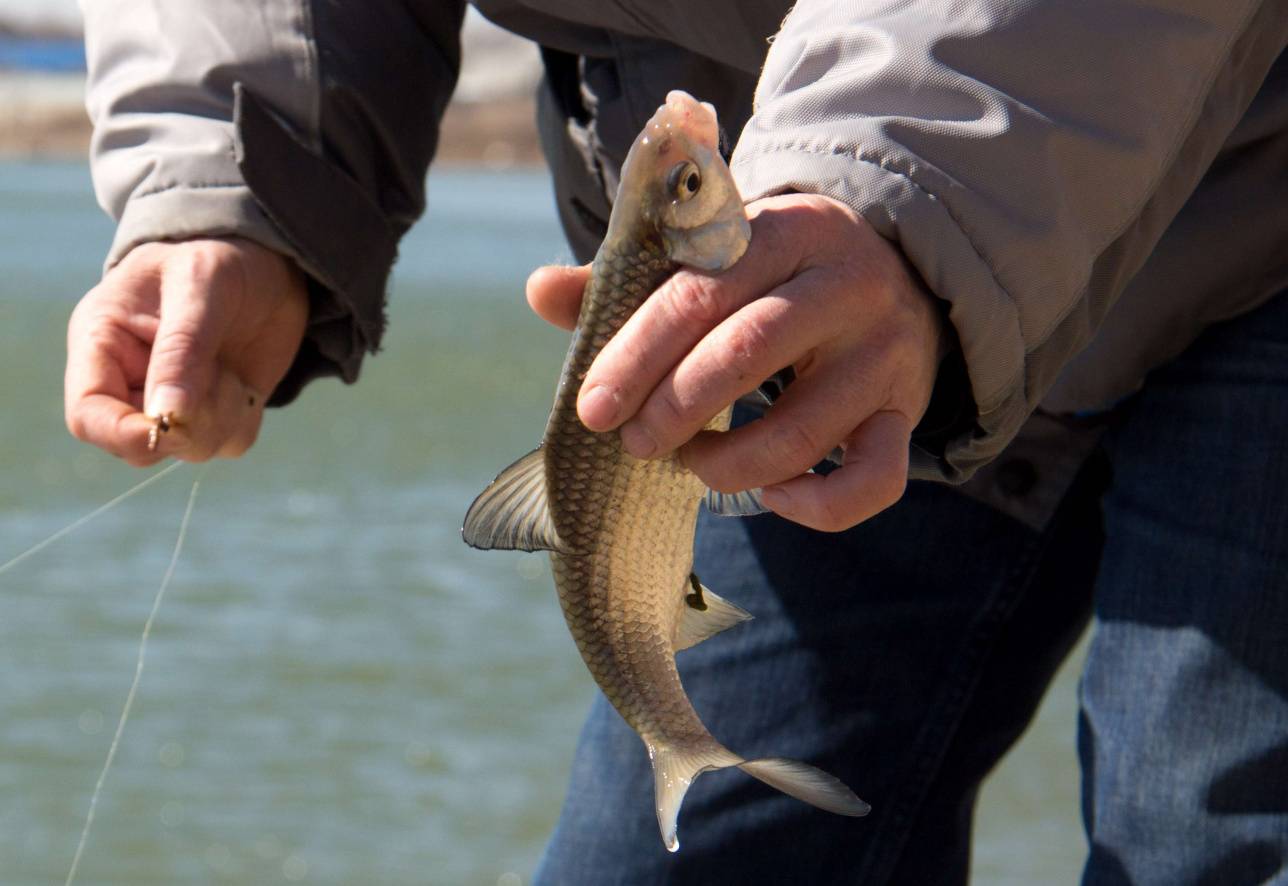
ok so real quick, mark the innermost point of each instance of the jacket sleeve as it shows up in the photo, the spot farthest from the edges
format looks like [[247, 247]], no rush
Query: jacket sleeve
[[1026, 157], [306, 126]]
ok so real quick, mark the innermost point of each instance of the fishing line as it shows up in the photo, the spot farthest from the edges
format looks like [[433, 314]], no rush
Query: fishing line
[[67, 530], [138, 667]]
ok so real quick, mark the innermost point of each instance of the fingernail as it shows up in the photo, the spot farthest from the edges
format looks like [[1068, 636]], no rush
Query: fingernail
[[637, 440], [598, 407], [777, 500], [169, 400]]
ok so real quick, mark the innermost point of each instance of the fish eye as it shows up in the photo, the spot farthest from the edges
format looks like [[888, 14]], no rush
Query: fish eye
[[684, 180]]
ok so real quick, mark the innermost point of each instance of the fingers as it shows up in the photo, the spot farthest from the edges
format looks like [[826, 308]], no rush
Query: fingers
[[115, 426], [554, 293], [873, 478], [805, 424], [108, 337], [776, 330], [237, 412], [676, 317], [195, 310], [199, 332], [218, 340]]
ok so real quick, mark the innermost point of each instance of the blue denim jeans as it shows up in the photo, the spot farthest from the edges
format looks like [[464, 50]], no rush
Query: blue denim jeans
[[907, 655]]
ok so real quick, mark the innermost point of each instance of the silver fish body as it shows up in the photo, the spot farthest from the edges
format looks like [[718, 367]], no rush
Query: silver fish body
[[620, 529]]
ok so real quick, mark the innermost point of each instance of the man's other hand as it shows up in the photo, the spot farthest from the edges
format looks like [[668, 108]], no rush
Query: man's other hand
[[199, 331]]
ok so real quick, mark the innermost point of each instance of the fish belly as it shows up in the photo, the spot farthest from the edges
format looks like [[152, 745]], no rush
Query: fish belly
[[622, 597]]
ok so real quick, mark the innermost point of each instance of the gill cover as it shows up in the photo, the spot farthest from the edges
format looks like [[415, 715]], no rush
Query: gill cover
[[703, 221]]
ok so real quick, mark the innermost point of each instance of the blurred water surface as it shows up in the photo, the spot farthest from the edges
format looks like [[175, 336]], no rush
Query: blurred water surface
[[338, 690]]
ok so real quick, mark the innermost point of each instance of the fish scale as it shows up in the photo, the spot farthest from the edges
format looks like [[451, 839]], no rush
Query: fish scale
[[605, 502]]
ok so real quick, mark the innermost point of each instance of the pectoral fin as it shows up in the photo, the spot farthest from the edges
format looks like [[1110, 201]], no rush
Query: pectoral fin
[[769, 390], [767, 394], [513, 513], [703, 614], [735, 504]]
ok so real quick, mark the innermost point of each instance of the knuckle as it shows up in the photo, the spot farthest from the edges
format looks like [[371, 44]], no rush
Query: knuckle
[[666, 418], [747, 340], [142, 258], [84, 309], [771, 231], [695, 300], [120, 432], [101, 331], [632, 361], [822, 217], [896, 348], [793, 446], [826, 212], [203, 266], [873, 289], [833, 516], [668, 408], [831, 522], [889, 488], [177, 348], [205, 259]]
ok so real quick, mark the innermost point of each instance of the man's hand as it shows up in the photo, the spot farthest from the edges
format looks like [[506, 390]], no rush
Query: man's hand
[[818, 290], [200, 331]]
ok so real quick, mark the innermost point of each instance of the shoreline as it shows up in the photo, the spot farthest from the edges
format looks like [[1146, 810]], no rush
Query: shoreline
[[42, 118]]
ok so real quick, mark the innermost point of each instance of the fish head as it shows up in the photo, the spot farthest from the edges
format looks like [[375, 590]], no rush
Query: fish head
[[675, 182]]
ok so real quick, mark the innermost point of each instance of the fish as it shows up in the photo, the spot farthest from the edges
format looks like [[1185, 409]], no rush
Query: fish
[[620, 530]]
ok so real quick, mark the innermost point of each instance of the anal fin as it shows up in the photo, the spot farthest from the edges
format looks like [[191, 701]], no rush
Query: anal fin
[[703, 614]]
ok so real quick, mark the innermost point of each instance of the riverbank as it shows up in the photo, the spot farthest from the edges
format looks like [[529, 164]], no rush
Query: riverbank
[[43, 116], [488, 125]]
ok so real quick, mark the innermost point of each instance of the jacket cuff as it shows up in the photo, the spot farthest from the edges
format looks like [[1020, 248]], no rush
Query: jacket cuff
[[335, 232], [184, 213], [983, 314]]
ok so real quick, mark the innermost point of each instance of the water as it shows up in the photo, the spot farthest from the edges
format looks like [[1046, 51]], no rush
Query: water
[[42, 54], [338, 690]]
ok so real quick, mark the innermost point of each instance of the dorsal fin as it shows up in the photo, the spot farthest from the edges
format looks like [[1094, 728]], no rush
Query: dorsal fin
[[703, 614], [513, 513]]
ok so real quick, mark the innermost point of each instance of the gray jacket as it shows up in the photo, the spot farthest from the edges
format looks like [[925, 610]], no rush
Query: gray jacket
[[1086, 186]]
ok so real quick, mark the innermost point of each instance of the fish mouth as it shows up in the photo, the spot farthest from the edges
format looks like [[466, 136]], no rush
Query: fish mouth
[[684, 116]]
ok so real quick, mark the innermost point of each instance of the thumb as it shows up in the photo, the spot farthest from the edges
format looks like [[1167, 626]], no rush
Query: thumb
[[196, 296], [554, 292]]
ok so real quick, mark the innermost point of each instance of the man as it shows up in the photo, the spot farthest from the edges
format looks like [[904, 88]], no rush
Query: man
[[1029, 246]]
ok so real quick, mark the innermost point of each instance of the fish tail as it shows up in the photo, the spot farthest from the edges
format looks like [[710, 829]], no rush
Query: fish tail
[[674, 770], [805, 783]]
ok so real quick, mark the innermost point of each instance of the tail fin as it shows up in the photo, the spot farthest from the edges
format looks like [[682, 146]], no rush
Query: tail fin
[[813, 786], [675, 770]]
